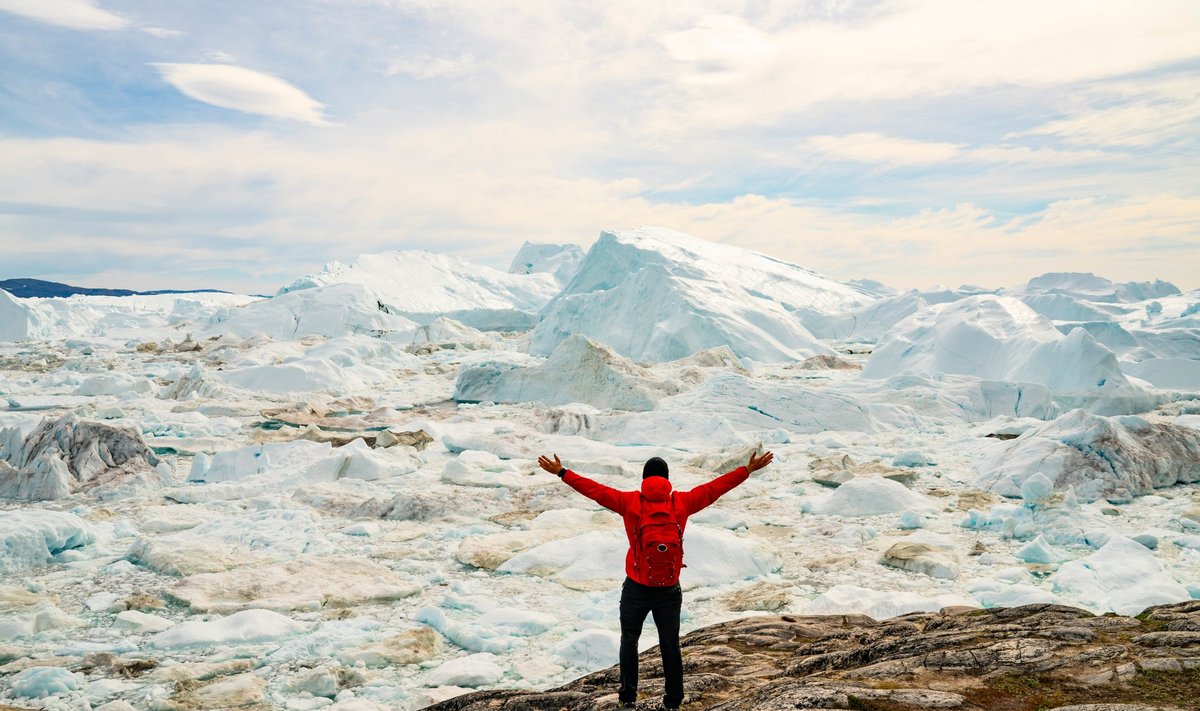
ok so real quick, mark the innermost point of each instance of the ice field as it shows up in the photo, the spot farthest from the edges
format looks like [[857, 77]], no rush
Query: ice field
[[330, 498]]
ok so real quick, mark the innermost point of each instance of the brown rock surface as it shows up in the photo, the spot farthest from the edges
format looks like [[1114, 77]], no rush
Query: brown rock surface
[[1012, 659]]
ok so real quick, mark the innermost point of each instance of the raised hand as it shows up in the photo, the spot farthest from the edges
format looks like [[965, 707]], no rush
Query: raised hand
[[554, 466], [760, 461]]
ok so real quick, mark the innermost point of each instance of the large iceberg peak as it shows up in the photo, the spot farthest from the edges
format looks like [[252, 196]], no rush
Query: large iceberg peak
[[655, 294]]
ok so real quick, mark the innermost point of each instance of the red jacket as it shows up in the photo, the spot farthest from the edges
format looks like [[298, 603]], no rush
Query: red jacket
[[655, 488]]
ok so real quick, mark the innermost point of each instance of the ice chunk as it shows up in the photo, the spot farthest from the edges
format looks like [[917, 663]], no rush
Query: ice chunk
[[653, 294], [327, 641], [409, 647], [589, 650], [484, 469], [70, 455], [918, 557], [879, 604], [1122, 577], [913, 458], [30, 538], [233, 541], [1098, 456], [473, 671], [1037, 489], [305, 584], [1146, 539], [870, 495], [302, 461], [579, 370], [317, 374], [474, 638], [521, 622], [997, 593], [1192, 542], [244, 627], [44, 617], [1040, 551], [40, 682], [114, 384], [139, 622]]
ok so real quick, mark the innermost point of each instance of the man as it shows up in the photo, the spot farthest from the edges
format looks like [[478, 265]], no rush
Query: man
[[651, 586]]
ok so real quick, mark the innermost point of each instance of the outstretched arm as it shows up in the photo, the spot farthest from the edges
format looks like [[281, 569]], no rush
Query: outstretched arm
[[606, 496], [704, 495]]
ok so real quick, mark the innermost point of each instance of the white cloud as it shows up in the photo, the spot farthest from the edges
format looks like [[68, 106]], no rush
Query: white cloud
[[694, 65], [76, 14], [161, 32], [242, 89], [915, 48], [892, 151], [877, 148], [482, 190], [430, 67], [1129, 114]]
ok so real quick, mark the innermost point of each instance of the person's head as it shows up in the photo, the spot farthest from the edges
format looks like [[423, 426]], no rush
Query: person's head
[[655, 466]]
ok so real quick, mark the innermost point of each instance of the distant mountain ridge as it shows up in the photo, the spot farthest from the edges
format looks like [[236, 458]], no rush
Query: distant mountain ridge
[[26, 288]]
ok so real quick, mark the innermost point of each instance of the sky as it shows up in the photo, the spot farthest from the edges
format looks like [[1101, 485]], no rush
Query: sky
[[239, 145]]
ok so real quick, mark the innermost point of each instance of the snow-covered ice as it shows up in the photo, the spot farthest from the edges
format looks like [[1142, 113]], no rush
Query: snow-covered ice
[[244, 627]]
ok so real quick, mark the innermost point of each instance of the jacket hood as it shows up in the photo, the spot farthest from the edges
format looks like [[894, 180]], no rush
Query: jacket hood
[[656, 488]]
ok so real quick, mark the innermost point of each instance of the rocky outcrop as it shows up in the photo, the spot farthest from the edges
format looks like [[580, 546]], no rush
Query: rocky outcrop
[[1017, 659], [68, 455]]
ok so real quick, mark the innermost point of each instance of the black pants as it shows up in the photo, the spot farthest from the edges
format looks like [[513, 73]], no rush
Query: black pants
[[637, 601]]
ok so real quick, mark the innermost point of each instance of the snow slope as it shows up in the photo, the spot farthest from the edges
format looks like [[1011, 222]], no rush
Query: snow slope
[[653, 294], [422, 286]]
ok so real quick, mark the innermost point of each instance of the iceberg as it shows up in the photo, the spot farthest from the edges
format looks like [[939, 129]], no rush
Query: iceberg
[[1122, 577], [30, 538], [1098, 456], [246, 627], [422, 286], [1000, 338], [69, 455], [870, 495], [331, 311], [653, 294]]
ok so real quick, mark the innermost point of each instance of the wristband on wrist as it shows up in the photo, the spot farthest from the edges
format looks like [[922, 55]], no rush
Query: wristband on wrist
[[561, 472]]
